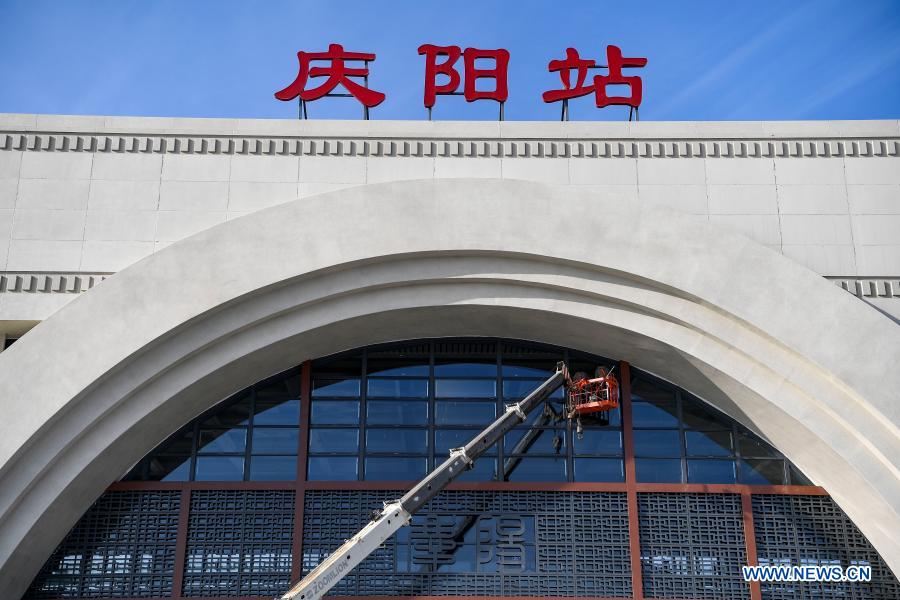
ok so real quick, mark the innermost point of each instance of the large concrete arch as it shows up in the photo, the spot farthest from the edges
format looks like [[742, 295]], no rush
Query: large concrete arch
[[98, 384]]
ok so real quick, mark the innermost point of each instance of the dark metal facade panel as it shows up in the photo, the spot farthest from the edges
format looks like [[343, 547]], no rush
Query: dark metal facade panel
[[692, 546], [124, 546], [813, 530], [239, 543]]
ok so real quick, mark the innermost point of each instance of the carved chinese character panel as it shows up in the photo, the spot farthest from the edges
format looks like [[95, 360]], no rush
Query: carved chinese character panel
[[486, 543]]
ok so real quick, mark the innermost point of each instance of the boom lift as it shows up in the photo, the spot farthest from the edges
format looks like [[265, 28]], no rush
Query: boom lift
[[585, 396]]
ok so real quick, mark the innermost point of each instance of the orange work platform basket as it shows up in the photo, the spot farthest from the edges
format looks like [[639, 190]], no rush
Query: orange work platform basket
[[588, 396]]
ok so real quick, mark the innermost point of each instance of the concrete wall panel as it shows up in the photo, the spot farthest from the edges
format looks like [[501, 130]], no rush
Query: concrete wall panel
[[9, 164], [44, 255], [874, 199], [33, 224], [603, 172], [193, 195], [812, 199], [121, 225], [181, 167], [53, 194], [130, 167], [56, 165], [124, 195], [670, 171]]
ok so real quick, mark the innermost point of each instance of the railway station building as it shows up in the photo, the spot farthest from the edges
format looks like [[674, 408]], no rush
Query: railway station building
[[227, 342]]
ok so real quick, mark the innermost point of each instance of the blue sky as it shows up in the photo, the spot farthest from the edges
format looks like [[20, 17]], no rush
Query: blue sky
[[708, 60]]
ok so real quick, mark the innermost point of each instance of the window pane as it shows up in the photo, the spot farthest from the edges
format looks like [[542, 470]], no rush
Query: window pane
[[236, 413], [599, 469], [757, 471], [535, 441], [465, 388], [273, 468], [708, 443], [338, 367], [220, 468], [796, 477], [485, 469], [547, 414], [650, 392], [645, 414], [339, 412], [520, 388], [657, 443], [276, 412], [599, 441], [398, 388], [538, 369], [536, 469], [337, 388], [655, 470], [464, 413], [578, 366], [413, 441], [696, 415], [393, 412], [270, 440], [332, 468], [446, 368], [750, 445], [710, 471], [606, 419], [183, 443], [445, 439], [398, 367], [169, 468], [223, 440], [395, 469], [284, 386], [333, 440]]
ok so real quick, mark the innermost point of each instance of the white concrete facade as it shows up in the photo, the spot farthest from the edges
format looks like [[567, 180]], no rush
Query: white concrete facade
[[95, 194], [692, 295]]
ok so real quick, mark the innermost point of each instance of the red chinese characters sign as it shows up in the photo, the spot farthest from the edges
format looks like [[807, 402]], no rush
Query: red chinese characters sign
[[615, 61], [338, 74], [441, 61], [451, 54]]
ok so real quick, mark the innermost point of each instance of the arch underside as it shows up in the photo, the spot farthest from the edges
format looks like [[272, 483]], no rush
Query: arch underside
[[457, 284]]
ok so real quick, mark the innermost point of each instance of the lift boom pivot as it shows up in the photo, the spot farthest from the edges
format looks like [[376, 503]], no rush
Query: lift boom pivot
[[396, 514]]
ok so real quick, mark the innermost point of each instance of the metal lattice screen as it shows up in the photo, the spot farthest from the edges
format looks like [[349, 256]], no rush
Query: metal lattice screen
[[534, 543], [481, 543], [124, 546], [239, 543], [692, 545], [813, 530]]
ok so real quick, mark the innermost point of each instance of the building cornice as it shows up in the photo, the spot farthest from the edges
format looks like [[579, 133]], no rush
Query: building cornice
[[78, 282], [49, 283], [462, 139]]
